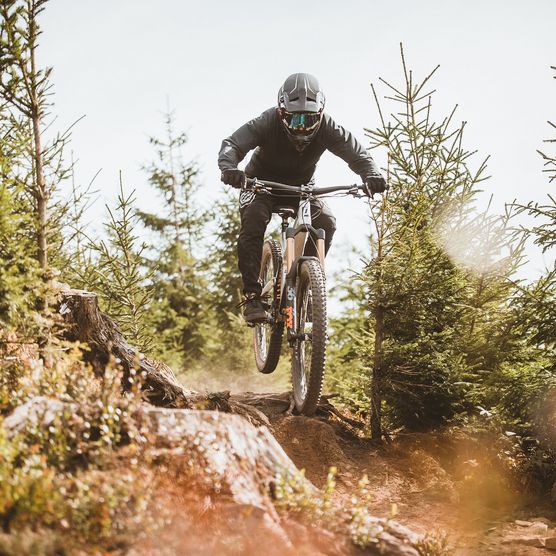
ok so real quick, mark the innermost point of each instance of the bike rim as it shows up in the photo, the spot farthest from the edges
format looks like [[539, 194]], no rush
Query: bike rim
[[304, 346], [263, 330]]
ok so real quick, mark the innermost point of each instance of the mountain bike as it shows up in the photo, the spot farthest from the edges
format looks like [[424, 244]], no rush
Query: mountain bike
[[294, 287]]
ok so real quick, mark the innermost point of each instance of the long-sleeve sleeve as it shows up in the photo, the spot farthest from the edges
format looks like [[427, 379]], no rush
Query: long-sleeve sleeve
[[342, 143], [235, 147]]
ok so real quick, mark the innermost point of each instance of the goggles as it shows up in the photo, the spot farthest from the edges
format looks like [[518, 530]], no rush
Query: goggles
[[301, 122]]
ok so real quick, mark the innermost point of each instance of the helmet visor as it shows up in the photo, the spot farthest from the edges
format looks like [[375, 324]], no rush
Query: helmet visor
[[301, 123]]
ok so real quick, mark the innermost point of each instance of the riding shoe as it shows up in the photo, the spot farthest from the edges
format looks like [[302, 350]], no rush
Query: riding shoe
[[254, 309]]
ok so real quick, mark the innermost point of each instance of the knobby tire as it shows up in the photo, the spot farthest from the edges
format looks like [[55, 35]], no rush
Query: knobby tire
[[267, 359], [310, 277]]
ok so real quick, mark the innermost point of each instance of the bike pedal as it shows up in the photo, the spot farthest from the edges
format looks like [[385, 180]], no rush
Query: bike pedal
[[268, 320]]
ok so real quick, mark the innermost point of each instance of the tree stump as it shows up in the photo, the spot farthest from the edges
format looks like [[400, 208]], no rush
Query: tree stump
[[87, 324]]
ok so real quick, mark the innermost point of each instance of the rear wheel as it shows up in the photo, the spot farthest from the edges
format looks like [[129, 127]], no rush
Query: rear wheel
[[309, 349], [267, 336]]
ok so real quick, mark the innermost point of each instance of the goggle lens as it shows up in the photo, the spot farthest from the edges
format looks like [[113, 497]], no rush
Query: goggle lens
[[301, 122]]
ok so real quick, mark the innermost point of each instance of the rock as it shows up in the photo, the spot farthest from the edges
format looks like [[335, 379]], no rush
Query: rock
[[38, 411], [238, 464], [243, 459], [537, 528], [550, 543], [542, 520], [537, 542]]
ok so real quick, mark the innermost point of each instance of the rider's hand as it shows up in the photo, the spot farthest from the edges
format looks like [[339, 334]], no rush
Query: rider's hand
[[374, 184], [235, 177]]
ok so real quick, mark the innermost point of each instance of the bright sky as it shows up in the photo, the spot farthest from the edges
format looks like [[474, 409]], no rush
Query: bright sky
[[221, 63]]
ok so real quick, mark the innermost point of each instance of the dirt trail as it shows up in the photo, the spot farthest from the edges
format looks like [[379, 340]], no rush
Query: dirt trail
[[438, 481]]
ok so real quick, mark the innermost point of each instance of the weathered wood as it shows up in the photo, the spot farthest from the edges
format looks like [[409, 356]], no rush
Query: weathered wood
[[86, 323], [274, 405]]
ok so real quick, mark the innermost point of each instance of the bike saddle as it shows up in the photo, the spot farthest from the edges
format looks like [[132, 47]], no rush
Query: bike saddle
[[285, 212]]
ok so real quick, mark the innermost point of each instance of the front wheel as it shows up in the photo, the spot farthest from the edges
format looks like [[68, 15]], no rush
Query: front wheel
[[309, 348]]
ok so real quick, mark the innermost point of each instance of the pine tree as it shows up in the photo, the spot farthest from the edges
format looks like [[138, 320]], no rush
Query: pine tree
[[225, 276], [346, 373], [430, 313], [18, 265], [231, 338], [26, 88], [523, 393], [78, 257], [179, 279], [118, 275], [550, 159], [538, 300]]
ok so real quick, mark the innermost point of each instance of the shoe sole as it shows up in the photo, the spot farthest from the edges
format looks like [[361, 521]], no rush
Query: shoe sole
[[256, 319]]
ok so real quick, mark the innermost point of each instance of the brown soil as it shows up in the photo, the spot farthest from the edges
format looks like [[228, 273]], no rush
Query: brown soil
[[215, 525], [447, 482], [443, 481]]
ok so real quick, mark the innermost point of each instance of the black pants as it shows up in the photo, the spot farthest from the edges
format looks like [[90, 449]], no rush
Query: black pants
[[256, 212]]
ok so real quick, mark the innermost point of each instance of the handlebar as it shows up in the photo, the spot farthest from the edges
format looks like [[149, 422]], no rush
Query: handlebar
[[256, 185]]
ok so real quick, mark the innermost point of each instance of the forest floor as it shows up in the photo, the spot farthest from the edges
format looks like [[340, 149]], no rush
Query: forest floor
[[443, 481], [447, 481]]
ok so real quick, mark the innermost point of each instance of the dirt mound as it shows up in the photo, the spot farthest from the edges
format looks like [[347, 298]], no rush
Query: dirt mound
[[209, 524], [448, 480], [312, 444], [399, 476]]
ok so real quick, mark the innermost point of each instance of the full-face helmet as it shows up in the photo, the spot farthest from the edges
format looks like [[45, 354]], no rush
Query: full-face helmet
[[300, 107]]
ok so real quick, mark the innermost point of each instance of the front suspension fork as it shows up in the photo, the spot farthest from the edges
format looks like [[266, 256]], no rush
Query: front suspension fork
[[289, 310]]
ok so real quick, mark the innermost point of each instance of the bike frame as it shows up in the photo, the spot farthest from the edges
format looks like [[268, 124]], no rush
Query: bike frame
[[293, 240]]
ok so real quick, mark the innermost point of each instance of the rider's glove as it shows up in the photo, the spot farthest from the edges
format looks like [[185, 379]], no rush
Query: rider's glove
[[374, 184], [235, 177]]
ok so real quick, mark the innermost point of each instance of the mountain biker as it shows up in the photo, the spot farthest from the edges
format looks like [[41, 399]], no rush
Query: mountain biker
[[289, 140]]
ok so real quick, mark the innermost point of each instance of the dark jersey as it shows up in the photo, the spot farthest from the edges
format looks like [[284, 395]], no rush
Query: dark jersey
[[276, 158]]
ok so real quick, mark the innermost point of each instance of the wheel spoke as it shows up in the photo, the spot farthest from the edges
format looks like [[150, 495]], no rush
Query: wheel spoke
[[268, 285]]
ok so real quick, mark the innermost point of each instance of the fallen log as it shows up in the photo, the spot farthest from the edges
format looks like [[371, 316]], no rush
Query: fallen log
[[274, 405], [86, 323]]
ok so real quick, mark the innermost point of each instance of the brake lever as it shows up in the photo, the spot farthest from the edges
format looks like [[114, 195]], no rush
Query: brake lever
[[255, 187], [356, 192], [249, 187]]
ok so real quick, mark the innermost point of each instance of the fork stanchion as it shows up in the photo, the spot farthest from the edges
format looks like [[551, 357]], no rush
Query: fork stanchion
[[320, 252], [290, 248]]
